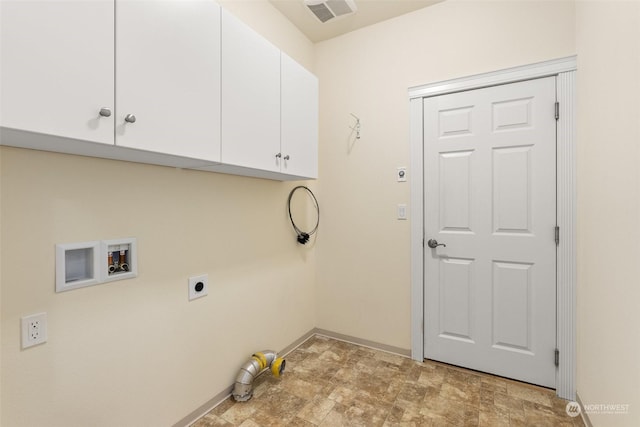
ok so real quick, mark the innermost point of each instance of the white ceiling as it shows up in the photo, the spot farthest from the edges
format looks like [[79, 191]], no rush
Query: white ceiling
[[369, 12]]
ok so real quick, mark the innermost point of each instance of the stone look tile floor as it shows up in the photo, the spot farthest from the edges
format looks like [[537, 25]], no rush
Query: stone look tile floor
[[333, 383]]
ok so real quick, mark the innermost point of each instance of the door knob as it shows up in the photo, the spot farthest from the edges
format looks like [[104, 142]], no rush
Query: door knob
[[278, 155], [286, 157], [433, 243], [130, 118], [105, 112]]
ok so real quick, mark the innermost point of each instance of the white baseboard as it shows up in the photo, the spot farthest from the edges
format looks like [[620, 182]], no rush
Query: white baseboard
[[365, 343], [585, 417]]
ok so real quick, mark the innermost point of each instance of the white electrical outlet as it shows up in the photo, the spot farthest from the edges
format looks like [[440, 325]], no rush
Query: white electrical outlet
[[34, 329], [198, 286]]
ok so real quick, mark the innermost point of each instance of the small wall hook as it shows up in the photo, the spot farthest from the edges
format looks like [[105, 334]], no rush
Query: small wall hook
[[356, 128]]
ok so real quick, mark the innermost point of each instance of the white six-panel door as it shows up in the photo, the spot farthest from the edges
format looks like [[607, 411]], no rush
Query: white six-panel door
[[490, 197]]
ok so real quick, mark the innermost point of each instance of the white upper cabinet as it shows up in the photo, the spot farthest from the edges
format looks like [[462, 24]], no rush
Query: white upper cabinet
[[175, 82], [168, 77], [56, 68], [250, 97], [299, 140], [269, 107], [58, 61]]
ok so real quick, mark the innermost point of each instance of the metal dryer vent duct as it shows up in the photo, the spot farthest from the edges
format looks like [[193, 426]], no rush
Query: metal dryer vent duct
[[243, 388], [325, 10]]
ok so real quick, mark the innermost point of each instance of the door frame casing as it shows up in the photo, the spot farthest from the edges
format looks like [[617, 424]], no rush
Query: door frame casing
[[564, 69]]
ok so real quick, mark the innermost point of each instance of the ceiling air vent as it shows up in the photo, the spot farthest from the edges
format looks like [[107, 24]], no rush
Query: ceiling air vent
[[325, 10]]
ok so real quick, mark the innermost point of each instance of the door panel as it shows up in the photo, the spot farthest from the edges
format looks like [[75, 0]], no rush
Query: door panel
[[456, 289], [250, 97], [512, 306], [512, 189], [512, 114], [56, 68], [455, 196], [168, 77], [299, 122], [455, 122], [490, 197]]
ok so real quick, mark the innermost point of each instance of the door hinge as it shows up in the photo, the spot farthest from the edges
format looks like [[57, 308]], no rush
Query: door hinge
[[557, 357], [557, 235], [557, 110]]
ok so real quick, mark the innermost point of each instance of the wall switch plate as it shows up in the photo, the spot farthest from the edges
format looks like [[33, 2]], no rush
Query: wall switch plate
[[198, 286], [34, 330], [402, 174], [402, 211]]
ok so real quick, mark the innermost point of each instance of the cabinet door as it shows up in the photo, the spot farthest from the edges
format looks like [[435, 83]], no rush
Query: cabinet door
[[299, 120], [168, 77], [250, 97], [57, 67]]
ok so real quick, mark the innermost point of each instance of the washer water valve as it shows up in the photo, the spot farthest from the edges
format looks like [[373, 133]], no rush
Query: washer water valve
[[118, 259]]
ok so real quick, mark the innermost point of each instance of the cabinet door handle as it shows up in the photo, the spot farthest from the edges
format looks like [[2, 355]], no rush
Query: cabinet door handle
[[286, 157], [278, 155], [105, 112], [130, 118]]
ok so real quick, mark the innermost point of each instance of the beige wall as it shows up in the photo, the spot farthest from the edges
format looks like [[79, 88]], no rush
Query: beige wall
[[363, 251], [272, 25], [608, 45], [136, 352]]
